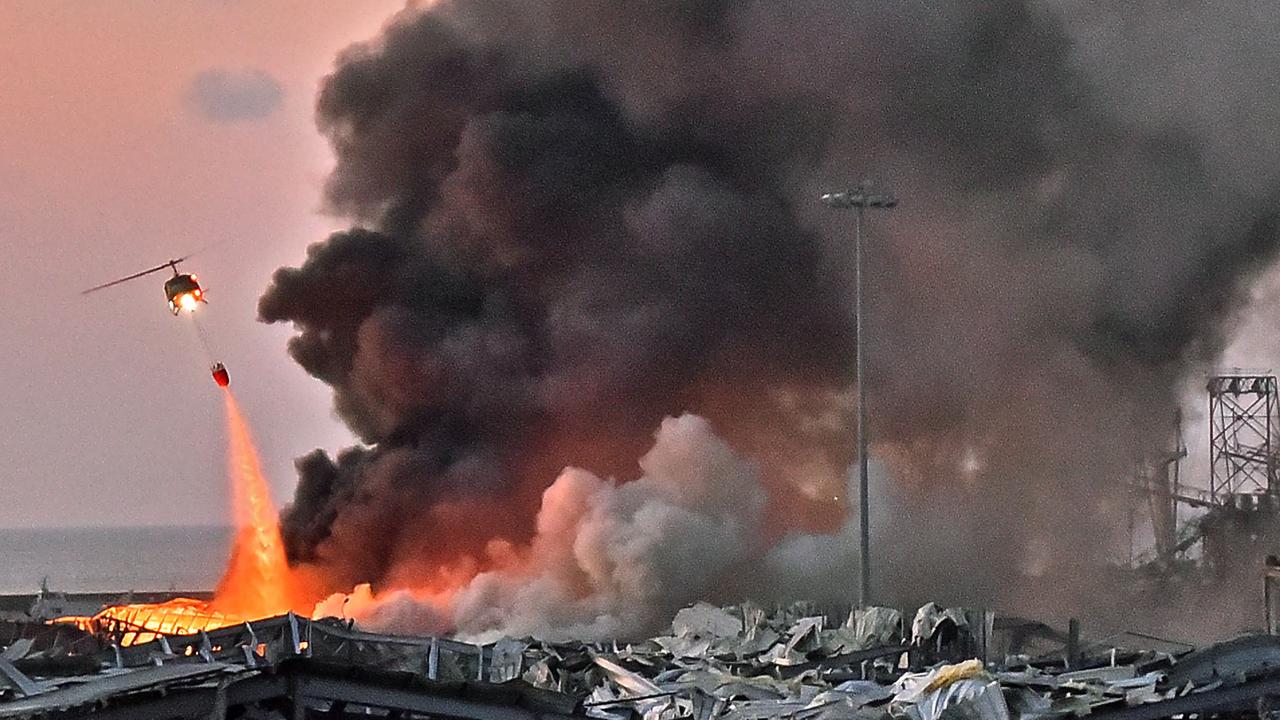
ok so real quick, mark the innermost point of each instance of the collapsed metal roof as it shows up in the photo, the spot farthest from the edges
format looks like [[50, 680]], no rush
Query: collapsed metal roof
[[735, 663]]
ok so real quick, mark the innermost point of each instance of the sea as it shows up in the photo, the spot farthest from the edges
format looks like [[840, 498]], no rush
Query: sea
[[112, 559]]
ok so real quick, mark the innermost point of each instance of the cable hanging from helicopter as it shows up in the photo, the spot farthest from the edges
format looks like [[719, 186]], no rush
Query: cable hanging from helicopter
[[184, 294]]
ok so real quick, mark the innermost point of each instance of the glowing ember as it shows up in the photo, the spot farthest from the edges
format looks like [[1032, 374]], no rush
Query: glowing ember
[[140, 623], [255, 583]]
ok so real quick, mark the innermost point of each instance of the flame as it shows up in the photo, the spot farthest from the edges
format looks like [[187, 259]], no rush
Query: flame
[[141, 622], [188, 302], [256, 582]]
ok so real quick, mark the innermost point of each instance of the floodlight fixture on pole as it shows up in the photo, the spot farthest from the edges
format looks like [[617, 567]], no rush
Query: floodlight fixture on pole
[[860, 200]]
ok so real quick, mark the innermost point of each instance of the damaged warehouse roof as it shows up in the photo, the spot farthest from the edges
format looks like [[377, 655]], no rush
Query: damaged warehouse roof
[[288, 666], [736, 663]]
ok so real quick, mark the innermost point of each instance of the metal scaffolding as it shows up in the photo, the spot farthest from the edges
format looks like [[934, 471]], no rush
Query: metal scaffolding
[[1242, 429]]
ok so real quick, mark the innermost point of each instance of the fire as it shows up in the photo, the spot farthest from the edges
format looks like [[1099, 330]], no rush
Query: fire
[[256, 582], [141, 622]]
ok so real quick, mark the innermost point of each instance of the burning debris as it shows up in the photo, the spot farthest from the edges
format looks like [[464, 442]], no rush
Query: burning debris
[[732, 663], [256, 582], [556, 254], [579, 224]]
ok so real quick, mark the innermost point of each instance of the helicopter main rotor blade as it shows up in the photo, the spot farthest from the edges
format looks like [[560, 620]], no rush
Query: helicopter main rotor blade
[[170, 264]]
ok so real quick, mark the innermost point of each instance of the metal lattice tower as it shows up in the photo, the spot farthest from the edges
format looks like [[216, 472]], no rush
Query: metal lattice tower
[[1242, 436]]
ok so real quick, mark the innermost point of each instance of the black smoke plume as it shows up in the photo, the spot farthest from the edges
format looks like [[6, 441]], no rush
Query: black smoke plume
[[575, 219]]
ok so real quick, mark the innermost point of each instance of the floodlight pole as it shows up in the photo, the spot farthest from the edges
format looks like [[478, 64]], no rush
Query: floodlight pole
[[859, 200]]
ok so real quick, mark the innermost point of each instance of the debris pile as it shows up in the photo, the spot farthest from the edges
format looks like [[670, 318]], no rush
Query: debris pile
[[734, 663], [742, 663]]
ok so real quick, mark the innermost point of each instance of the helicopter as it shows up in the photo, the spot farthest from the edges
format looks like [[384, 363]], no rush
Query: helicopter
[[182, 290], [184, 294]]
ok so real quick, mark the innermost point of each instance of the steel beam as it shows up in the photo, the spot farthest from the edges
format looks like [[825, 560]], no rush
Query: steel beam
[[1224, 698]]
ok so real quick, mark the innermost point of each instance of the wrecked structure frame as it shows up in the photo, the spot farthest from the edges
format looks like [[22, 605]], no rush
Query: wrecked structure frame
[[1242, 436]]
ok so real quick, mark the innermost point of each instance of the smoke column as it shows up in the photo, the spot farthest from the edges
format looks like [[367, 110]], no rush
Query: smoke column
[[572, 221]]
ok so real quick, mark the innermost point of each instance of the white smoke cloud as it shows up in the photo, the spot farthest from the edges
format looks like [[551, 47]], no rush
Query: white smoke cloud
[[609, 559]]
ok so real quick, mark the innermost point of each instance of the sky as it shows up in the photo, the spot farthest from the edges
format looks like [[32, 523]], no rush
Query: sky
[[132, 132]]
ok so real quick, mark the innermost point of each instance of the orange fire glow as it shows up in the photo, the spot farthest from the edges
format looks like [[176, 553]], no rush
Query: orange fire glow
[[256, 582]]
